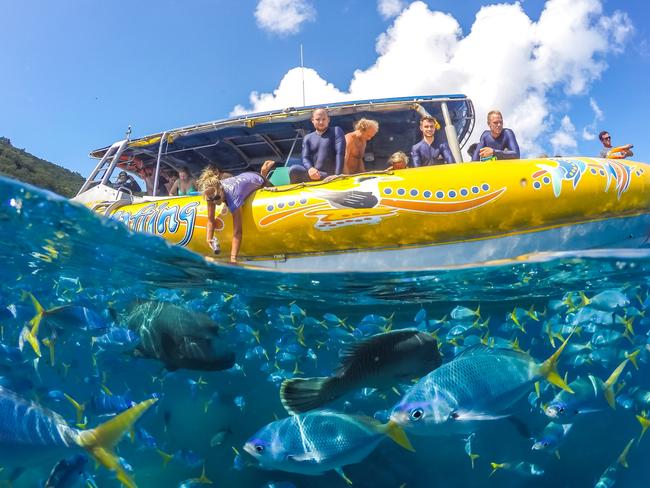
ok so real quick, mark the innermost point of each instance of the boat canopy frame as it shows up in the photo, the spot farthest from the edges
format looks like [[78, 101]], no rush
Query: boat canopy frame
[[246, 141]]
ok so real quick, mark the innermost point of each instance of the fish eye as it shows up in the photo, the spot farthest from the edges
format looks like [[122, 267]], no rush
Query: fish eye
[[416, 414], [259, 448]]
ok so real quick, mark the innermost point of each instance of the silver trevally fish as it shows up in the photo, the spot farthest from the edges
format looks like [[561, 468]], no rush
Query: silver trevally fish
[[591, 394], [318, 441], [31, 435], [480, 384], [380, 361], [180, 338]]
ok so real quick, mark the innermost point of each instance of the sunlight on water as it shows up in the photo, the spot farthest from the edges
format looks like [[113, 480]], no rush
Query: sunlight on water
[[281, 326]]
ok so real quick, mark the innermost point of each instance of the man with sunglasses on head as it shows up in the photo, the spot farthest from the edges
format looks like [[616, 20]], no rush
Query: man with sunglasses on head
[[622, 153]]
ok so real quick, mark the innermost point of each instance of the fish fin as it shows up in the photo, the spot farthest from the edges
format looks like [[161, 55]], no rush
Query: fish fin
[[633, 356], [645, 423], [622, 459], [548, 368], [469, 415], [611, 381], [496, 466], [79, 407], [473, 457], [557, 453], [302, 394], [165, 457], [304, 457], [99, 442], [342, 475], [397, 435]]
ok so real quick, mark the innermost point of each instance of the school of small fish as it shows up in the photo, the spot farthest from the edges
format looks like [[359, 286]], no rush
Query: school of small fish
[[93, 378]]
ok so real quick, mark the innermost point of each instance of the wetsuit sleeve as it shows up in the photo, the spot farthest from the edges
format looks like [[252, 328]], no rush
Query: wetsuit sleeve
[[512, 148], [339, 148], [307, 161], [415, 156], [446, 153], [481, 144]]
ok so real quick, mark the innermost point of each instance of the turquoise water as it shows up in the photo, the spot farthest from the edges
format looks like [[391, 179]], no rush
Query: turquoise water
[[62, 254]]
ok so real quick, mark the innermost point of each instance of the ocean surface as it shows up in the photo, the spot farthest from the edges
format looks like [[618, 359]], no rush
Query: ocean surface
[[282, 325]]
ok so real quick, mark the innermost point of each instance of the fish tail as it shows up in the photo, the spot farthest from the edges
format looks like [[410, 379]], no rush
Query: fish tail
[[611, 381], [622, 459], [633, 356], [79, 407], [165, 457], [496, 466], [101, 440], [473, 457], [397, 435], [548, 368], [302, 394], [584, 300], [645, 423], [30, 332]]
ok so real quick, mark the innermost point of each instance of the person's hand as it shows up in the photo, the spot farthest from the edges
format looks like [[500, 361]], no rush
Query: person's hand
[[627, 147], [486, 152], [329, 178], [313, 173]]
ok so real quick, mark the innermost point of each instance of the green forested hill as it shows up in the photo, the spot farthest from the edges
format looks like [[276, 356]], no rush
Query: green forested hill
[[20, 165]]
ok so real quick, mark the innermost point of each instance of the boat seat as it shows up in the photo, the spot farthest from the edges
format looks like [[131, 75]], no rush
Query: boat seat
[[280, 176]]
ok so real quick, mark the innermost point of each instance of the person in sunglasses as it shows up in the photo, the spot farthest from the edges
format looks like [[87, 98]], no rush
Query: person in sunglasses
[[233, 192], [606, 140]]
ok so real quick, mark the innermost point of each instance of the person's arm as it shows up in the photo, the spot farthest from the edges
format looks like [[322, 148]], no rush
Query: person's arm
[[446, 153], [209, 229], [340, 149], [349, 144], [477, 152], [174, 189], [415, 156], [511, 150], [236, 235], [307, 160]]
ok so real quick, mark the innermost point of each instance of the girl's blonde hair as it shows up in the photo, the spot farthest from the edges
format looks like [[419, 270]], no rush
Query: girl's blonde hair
[[210, 178], [397, 157], [365, 124]]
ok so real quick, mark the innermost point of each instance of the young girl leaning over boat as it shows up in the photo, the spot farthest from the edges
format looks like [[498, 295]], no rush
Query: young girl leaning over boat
[[233, 192]]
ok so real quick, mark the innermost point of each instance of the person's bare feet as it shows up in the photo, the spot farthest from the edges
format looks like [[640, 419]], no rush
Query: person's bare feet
[[267, 167]]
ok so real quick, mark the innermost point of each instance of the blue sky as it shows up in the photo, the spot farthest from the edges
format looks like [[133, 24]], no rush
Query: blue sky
[[76, 73]]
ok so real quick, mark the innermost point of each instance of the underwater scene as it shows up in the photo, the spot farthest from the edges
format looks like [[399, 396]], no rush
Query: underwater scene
[[125, 361]]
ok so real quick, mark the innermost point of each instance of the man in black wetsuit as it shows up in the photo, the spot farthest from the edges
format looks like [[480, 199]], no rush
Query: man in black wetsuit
[[323, 151], [496, 143]]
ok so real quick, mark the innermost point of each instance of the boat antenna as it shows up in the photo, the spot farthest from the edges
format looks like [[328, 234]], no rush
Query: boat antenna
[[128, 134], [302, 70]]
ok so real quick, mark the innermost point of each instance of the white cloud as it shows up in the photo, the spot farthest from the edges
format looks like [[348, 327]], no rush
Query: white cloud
[[283, 16], [589, 131], [564, 139], [390, 8], [506, 61]]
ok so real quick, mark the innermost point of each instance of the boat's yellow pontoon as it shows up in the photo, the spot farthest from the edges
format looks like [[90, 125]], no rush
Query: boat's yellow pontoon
[[385, 220]]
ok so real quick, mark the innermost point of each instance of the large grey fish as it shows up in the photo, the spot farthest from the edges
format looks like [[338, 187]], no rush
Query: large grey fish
[[477, 385], [31, 435], [380, 361], [315, 442], [178, 337]]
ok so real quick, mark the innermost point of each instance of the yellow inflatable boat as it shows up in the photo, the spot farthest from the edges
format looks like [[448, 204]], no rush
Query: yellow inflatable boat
[[388, 220]]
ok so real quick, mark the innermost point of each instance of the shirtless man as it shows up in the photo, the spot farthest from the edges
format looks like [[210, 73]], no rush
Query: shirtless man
[[498, 143], [323, 151], [355, 145]]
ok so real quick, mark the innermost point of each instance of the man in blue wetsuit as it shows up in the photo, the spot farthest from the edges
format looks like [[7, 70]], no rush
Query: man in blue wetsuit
[[426, 152], [496, 143], [323, 151]]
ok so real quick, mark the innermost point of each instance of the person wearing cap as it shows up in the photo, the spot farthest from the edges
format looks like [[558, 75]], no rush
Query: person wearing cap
[[126, 181], [427, 152]]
